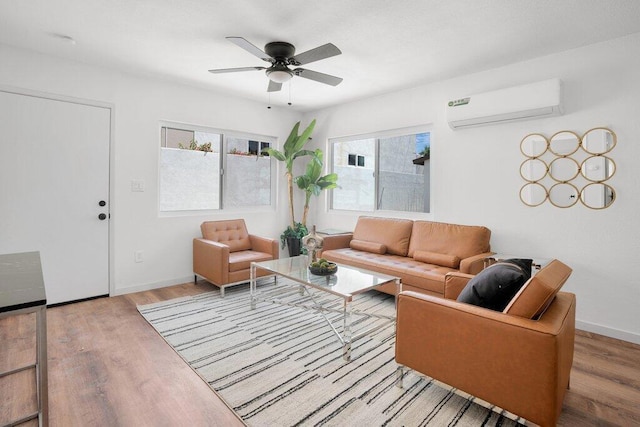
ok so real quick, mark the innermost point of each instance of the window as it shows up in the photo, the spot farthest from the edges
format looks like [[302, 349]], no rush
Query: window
[[189, 170], [256, 147], [392, 171], [207, 169], [356, 160], [247, 177]]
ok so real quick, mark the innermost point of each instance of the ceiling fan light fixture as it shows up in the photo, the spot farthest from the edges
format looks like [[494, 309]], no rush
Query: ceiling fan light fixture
[[279, 76]]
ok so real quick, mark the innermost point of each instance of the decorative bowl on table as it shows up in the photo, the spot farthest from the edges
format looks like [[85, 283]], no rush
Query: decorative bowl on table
[[322, 267]]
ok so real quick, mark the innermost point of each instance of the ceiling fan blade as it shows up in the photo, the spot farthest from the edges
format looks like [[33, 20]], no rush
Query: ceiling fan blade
[[239, 41], [233, 70], [273, 86], [318, 77], [321, 52]]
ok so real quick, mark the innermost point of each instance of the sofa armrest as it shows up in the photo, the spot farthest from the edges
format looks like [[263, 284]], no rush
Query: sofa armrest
[[454, 283], [266, 245], [336, 241], [211, 260], [518, 364], [474, 264]]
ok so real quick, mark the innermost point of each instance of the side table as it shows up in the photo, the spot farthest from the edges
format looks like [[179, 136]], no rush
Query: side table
[[22, 291]]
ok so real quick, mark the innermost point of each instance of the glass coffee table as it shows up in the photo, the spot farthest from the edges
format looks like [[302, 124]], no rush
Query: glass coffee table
[[346, 283]]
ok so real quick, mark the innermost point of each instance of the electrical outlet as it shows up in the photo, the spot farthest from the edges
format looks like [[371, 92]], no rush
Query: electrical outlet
[[137, 185], [137, 255]]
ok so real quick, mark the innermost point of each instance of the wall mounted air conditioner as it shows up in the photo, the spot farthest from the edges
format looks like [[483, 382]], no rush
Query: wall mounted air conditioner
[[530, 101]]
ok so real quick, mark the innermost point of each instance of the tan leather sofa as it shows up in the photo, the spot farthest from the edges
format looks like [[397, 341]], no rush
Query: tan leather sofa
[[507, 358], [224, 254], [421, 253]]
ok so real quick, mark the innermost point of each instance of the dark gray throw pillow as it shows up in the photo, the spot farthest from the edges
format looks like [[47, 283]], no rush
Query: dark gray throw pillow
[[497, 284]]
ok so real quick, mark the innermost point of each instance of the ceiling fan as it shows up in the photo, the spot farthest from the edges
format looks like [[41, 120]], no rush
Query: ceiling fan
[[281, 55]]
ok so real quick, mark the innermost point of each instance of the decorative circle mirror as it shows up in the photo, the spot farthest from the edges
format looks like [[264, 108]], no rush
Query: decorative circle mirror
[[599, 141], [597, 195], [533, 170], [534, 145], [564, 143], [564, 169], [598, 168], [533, 194], [563, 195]]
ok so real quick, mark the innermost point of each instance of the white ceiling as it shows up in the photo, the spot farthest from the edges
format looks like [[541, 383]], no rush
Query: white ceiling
[[386, 44]]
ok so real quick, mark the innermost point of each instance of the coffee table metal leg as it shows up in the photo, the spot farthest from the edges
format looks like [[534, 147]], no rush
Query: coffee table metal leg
[[346, 348], [399, 375], [252, 286]]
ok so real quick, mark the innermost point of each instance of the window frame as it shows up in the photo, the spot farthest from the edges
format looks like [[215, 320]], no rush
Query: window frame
[[376, 136], [224, 134]]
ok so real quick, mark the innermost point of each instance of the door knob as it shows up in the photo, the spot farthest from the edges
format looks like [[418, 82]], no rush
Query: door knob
[[102, 203], [102, 217]]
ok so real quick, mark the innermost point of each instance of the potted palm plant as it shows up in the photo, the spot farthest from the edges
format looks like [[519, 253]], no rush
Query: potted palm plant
[[291, 150], [312, 183]]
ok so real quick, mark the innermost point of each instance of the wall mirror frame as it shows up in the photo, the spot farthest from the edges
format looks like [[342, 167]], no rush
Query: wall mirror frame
[[564, 169], [564, 143], [598, 168], [563, 195], [534, 145], [533, 170], [597, 195], [598, 141], [567, 167], [533, 194]]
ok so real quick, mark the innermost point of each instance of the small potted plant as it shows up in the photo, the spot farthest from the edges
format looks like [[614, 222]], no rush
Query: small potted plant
[[292, 237]]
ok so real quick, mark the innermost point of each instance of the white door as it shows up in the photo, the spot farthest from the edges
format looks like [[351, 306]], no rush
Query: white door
[[54, 173]]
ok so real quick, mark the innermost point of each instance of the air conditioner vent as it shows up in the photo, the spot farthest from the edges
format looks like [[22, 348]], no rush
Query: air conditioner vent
[[530, 101]]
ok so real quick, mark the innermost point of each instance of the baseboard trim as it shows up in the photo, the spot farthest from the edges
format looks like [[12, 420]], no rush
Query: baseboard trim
[[608, 332], [58, 304], [152, 285]]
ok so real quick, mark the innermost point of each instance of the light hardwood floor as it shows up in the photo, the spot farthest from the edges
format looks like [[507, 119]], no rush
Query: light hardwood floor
[[108, 367]]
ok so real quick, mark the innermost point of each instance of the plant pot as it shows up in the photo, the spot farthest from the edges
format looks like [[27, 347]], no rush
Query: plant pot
[[293, 243]]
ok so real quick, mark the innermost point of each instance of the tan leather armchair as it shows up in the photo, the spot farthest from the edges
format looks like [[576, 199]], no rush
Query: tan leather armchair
[[224, 254], [508, 359]]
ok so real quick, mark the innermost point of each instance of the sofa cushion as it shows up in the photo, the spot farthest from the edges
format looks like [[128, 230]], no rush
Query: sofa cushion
[[535, 297], [418, 275], [391, 232], [232, 233], [495, 286], [241, 260], [373, 247], [451, 261], [463, 241]]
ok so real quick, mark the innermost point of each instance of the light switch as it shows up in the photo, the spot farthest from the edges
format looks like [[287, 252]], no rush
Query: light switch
[[137, 185]]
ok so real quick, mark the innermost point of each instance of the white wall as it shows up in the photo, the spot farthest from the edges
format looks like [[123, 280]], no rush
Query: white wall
[[475, 172], [140, 103]]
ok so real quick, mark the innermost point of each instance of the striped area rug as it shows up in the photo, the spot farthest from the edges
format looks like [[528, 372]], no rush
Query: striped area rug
[[282, 365]]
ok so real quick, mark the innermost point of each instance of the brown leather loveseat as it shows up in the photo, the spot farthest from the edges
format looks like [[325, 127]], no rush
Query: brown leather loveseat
[[420, 253], [519, 359]]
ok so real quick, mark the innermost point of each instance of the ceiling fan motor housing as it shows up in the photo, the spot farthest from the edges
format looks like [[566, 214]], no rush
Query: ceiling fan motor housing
[[280, 51]]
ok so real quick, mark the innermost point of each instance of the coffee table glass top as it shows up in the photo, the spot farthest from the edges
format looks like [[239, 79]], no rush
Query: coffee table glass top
[[347, 281]]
